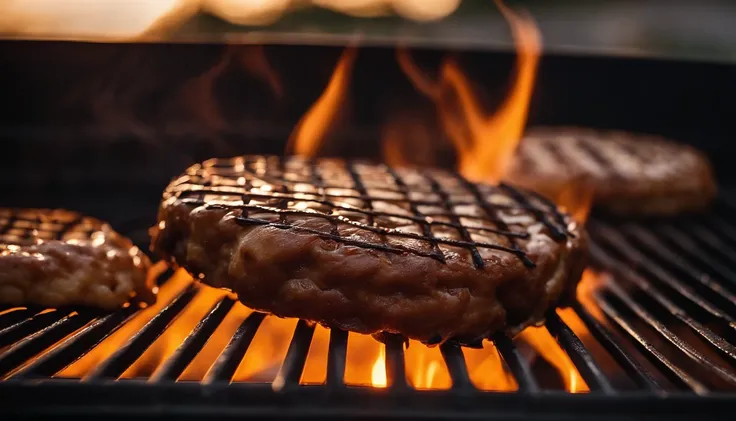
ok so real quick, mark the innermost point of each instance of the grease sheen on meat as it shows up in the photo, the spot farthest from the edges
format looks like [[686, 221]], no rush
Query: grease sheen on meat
[[368, 248], [629, 173], [53, 258]]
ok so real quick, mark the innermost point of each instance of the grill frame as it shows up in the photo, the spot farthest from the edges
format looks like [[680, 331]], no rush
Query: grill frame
[[216, 396]]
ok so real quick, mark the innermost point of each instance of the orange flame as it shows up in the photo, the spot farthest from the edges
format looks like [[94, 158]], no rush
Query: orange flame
[[378, 371], [545, 345], [365, 359], [487, 371], [425, 367], [576, 199], [311, 130], [485, 143]]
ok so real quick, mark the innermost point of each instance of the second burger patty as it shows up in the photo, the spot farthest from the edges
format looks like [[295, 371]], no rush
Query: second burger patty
[[367, 248]]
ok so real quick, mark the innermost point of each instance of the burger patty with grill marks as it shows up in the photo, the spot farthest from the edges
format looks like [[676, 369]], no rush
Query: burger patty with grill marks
[[367, 248], [628, 173], [55, 258]]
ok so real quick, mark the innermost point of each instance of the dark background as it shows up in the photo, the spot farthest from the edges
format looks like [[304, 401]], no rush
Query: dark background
[[121, 120]]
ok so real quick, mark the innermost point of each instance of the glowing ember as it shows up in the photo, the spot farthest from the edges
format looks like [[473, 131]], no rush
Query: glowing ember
[[311, 130]]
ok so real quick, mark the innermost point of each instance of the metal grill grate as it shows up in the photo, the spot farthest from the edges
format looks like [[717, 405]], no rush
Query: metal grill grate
[[665, 315]]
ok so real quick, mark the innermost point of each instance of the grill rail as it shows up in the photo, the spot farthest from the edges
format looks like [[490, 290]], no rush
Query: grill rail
[[665, 313]]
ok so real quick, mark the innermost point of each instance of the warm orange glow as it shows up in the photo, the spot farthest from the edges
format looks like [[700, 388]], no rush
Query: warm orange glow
[[89, 362], [267, 351], [485, 142], [163, 347], [311, 130], [315, 368], [545, 345], [362, 355], [425, 367], [486, 369], [378, 371], [591, 282], [576, 199], [202, 363]]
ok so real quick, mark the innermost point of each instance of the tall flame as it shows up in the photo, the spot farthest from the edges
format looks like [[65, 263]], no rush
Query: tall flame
[[378, 371], [485, 143], [311, 130]]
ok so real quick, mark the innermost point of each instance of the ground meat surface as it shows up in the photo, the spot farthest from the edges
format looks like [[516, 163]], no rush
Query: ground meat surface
[[628, 173], [367, 248], [55, 258]]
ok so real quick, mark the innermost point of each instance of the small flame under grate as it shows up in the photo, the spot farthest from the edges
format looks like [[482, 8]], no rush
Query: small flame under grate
[[655, 318]]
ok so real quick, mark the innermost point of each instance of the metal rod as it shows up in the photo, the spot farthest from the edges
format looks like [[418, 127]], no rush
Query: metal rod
[[719, 344], [669, 369], [224, 368], [635, 371], [395, 367], [517, 364], [579, 355], [455, 361], [336, 357], [31, 345], [175, 365], [77, 345], [296, 356], [120, 360]]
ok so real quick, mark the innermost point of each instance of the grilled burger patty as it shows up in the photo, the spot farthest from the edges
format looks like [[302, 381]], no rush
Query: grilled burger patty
[[629, 173], [57, 258], [368, 248]]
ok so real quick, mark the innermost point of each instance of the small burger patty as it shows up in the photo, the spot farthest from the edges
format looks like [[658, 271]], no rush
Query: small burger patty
[[56, 258], [629, 173], [367, 248]]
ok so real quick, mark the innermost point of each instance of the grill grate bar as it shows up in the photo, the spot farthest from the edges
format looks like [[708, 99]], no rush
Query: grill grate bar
[[606, 235], [635, 371], [662, 250], [717, 223], [296, 356], [11, 318], [78, 345], [579, 354], [687, 245], [715, 243], [517, 364], [116, 364], [674, 373], [29, 326], [395, 367], [39, 341], [224, 368], [718, 342], [455, 362], [671, 337], [175, 365], [337, 357]]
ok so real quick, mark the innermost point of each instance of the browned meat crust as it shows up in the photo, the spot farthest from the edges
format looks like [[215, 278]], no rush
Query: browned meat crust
[[56, 258], [630, 173], [284, 237]]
